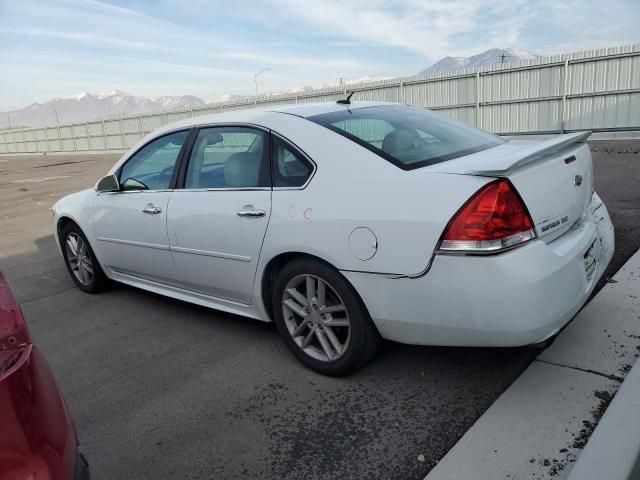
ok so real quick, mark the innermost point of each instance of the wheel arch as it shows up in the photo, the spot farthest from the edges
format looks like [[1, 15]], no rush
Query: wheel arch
[[65, 219], [61, 223], [276, 263]]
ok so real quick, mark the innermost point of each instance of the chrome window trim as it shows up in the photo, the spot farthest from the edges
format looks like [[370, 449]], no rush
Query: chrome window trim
[[164, 190], [225, 189], [231, 124]]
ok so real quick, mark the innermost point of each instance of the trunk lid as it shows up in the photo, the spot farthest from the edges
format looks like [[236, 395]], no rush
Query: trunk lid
[[554, 177]]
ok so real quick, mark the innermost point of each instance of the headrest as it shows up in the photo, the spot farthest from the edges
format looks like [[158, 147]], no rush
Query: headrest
[[242, 170], [212, 137], [400, 140]]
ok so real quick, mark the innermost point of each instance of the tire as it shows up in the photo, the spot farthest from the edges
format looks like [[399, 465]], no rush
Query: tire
[[87, 273], [333, 337]]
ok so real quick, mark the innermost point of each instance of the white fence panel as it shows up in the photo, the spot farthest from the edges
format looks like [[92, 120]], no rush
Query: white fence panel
[[522, 84], [591, 90], [604, 112], [152, 122], [95, 129], [526, 117]]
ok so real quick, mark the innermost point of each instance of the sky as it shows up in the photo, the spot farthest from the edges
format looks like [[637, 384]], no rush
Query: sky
[[211, 48]]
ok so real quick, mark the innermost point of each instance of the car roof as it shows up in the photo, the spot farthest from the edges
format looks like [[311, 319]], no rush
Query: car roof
[[257, 116], [254, 115], [310, 109]]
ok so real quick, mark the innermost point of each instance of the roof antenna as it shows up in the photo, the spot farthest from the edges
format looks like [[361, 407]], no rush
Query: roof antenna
[[346, 101]]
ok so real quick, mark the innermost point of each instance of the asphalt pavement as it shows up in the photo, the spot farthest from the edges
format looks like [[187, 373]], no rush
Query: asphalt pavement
[[164, 389]]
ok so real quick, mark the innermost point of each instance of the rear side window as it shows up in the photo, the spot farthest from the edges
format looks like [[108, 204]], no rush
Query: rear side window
[[408, 137], [290, 168]]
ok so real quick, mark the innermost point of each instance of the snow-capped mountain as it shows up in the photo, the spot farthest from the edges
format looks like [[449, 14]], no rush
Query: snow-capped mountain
[[87, 106], [490, 57]]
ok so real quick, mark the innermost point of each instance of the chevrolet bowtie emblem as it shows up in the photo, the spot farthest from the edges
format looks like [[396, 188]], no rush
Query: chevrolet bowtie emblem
[[577, 181]]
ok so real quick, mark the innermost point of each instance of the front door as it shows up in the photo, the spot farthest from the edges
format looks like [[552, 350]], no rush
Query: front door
[[217, 222], [131, 224]]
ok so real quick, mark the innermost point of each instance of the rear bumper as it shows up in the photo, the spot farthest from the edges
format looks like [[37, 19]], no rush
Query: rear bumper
[[519, 297]]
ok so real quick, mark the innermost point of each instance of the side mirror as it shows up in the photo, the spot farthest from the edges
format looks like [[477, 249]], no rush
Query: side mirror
[[108, 184]]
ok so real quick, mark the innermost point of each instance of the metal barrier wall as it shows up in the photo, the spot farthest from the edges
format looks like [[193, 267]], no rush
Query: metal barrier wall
[[595, 90]]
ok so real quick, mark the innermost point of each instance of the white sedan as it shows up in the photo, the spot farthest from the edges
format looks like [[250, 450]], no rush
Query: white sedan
[[347, 223]]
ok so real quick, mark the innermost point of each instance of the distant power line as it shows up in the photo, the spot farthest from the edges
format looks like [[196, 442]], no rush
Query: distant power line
[[503, 56]]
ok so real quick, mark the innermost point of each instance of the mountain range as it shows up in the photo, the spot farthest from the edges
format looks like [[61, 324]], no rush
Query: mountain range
[[87, 106], [490, 57]]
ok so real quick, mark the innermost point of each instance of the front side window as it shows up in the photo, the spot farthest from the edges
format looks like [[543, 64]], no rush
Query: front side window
[[408, 137], [151, 167], [228, 157], [291, 169]]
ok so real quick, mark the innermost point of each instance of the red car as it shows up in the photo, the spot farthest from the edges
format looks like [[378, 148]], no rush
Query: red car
[[37, 436]]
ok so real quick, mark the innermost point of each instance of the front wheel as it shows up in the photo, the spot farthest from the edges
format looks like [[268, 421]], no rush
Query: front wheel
[[321, 318], [80, 260]]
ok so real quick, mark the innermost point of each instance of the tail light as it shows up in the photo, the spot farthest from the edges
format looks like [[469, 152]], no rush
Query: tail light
[[494, 219], [14, 337], [13, 358], [13, 329]]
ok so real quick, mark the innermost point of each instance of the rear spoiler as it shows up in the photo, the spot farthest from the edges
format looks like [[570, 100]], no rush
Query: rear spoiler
[[500, 166]]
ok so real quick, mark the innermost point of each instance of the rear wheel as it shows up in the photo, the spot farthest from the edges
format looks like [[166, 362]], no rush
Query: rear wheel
[[80, 260], [321, 318]]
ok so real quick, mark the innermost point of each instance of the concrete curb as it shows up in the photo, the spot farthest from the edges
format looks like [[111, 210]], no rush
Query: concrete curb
[[539, 426], [613, 451]]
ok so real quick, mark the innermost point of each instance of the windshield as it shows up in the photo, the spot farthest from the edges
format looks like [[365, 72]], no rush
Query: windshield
[[408, 137]]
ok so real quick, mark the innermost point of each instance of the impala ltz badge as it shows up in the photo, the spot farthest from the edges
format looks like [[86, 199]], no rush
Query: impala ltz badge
[[577, 181]]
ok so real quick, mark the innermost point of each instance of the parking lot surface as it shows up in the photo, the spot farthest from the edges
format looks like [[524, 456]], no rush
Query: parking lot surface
[[164, 389]]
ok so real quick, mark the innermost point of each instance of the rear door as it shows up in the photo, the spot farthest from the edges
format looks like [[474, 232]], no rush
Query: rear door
[[217, 222]]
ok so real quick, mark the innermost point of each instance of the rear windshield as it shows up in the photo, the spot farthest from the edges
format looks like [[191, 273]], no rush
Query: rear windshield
[[408, 137]]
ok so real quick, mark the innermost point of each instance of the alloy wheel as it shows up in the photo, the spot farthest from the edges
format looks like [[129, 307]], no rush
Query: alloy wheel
[[316, 317], [79, 259]]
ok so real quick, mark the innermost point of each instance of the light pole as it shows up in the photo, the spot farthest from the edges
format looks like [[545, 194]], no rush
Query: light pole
[[57, 120], [255, 80], [9, 119]]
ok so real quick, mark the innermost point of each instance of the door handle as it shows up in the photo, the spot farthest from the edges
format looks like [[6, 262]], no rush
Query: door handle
[[251, 212], [151, 209]]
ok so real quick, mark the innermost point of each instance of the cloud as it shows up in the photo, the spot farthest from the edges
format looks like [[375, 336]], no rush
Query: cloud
[[248, 55], [217, 45], [429, 28], [89, 23], [78, 36]]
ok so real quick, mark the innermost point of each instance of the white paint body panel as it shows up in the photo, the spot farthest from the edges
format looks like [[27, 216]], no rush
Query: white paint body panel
[[218, 259], [216, 251], [130, 240], [516, 298]]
